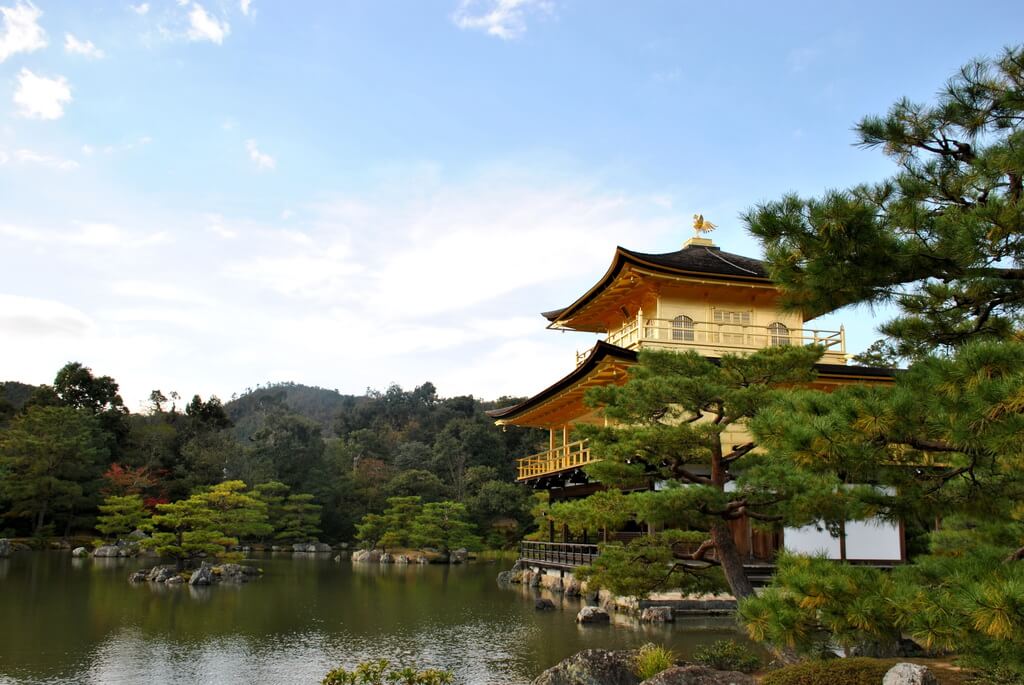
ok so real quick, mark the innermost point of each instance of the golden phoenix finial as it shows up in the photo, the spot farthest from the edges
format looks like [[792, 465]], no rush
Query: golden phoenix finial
[[702, 225]]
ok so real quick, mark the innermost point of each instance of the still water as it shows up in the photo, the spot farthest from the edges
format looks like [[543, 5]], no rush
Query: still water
[[65, 620]]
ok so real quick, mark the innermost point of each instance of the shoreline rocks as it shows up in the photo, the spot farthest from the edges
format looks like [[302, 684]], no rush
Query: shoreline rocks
[[5, 548], [207, 574], [592, 666], [909, 674]]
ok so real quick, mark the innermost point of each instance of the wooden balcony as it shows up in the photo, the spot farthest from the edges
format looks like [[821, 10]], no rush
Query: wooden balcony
[[713, 338], [555, 460]]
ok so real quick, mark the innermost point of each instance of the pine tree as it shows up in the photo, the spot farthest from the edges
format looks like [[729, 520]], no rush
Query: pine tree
[[300, 519], [120, 515], [670, 421], [444, 526], [943, 238], [51, 458]]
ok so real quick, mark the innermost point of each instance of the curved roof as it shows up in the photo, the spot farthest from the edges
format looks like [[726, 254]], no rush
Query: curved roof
[[705, 261], [602, 351]]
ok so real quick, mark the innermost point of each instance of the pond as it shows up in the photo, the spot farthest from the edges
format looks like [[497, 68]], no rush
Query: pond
[[67, 620]]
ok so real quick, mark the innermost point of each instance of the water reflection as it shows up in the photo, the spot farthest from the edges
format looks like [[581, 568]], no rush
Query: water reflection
[[70, 622]]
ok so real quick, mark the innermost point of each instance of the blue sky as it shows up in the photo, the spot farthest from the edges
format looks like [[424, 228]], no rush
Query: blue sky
[[202, 196]]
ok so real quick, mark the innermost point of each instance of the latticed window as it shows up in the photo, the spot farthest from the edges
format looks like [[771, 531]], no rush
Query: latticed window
[[682, 328], [732, 316], [778, 333]]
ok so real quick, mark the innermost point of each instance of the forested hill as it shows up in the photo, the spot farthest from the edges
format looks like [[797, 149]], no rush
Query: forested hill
[[15, 393], [315, 403]]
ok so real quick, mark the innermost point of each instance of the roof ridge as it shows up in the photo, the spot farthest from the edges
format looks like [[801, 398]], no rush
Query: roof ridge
[[735, 266]]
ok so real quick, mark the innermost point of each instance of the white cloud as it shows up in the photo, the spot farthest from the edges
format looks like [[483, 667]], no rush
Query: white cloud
[[74, 46], [505, 19], [203, 26], [35, 317], [32, 157], [39, 97], [141, 9], [217, 226], [245, 6], [85, 234], [262, 160], [21, 31]]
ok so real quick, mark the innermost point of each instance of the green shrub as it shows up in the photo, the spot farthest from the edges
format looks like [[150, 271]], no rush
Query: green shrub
[[652, 659], [853, 671], [380, 673], [727, 655]]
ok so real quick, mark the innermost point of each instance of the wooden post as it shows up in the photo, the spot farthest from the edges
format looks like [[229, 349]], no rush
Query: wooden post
[[551, 530]]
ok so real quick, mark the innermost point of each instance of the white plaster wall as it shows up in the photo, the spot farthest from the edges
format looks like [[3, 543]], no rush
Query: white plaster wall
[[872, 539], [810, 540]]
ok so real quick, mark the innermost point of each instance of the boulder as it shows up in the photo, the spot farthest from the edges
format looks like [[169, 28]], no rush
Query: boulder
[[366, 555], [699, 675], [79, 552], [137, 535], [5, 548], [544, 604], [386, 558], [573, 588], [504, 577], [138, 577], [235, 573], [535, 579], [401, 559], [592, 667], [592, 615], [175, 580], [161, 574], [106, 551], [337, 558], [202, 575], [657, 615], [458, 556], [909, 674]]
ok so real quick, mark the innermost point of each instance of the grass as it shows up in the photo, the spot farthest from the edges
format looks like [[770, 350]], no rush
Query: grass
[[652, 659]]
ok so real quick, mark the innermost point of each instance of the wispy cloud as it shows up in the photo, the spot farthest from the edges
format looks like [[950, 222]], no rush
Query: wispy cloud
[[505, 19], [39, 97], [84, 234], [21, 31], [141, 9], [204, 26], [800, 59], [245, 6], [85, 48], [33, 157], [262, 160]]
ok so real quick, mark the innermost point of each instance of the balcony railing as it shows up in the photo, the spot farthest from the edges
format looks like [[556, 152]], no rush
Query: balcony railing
[[717, 335], [561, 458], [559, 554]]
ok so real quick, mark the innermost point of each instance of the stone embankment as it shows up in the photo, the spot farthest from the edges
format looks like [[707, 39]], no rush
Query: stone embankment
[[206, 574], [658, 609]]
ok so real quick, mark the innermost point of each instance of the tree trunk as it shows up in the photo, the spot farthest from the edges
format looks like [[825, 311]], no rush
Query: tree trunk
[[41, 519], [732, 564], [721, 534]]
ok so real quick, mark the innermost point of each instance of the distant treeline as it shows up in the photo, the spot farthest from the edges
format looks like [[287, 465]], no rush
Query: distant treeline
[[65, 446]]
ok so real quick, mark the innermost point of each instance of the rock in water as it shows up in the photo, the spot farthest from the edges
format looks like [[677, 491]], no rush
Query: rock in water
[[79, 552], [699, 675], [175, 580], [106, 551], [202, 575], [544, 604], [592, 615], [137, 577], [458, 556], [235, 573], [386, 558], [592, 667], [657, 615], [909, 674], [5, 548]]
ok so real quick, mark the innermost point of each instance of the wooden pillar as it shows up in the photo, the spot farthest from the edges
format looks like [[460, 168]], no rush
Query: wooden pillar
[[565, 439]]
